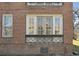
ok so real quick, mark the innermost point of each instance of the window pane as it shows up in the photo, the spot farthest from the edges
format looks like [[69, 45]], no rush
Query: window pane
[[40, 24], [30, 25], [7, 31], [45, 25], [58, 26], [7, 21], [49, 25]]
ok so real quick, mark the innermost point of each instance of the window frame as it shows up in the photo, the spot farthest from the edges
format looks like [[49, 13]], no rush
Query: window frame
[[3, 19]]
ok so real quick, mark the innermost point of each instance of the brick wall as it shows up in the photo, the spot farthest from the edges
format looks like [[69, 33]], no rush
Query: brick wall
[[17, 46]]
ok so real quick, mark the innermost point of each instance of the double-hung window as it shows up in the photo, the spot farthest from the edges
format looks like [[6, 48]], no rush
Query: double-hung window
[[7, 24], [44, 28]]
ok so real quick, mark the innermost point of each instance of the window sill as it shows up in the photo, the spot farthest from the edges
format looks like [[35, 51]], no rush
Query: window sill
[[43, 35]]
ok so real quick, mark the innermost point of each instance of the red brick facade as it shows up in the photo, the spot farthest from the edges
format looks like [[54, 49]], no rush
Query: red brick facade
[[16, 45]]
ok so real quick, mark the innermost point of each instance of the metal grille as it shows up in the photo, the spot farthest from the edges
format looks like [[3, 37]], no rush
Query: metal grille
[[44, 39], [57, 39]]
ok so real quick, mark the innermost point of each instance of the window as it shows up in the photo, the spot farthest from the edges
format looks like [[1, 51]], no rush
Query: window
[[31, 25], [58, 25], [44, 25], [45, 3], [7, 25], [50, 27]]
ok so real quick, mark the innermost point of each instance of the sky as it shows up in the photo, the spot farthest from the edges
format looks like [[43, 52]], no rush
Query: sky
[[75, 5]]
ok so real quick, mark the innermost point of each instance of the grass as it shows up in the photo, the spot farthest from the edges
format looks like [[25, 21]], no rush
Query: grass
[[76, 50], [76, 46]]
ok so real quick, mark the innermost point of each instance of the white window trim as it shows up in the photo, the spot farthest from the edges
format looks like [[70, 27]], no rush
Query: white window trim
[[27, 24], [3, 24], [44, 4]]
